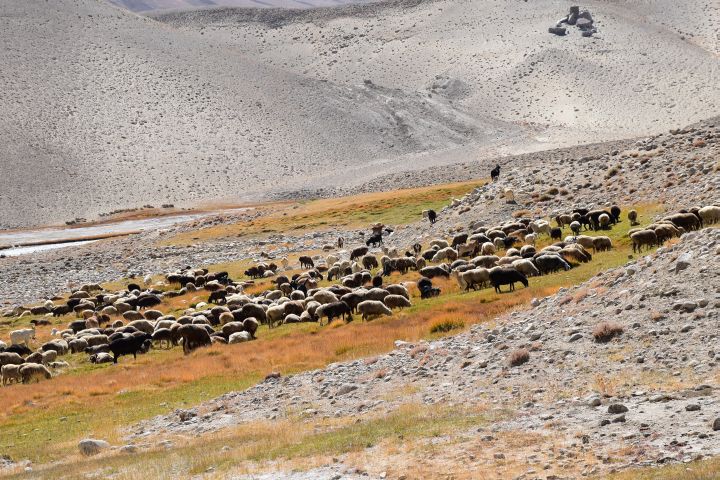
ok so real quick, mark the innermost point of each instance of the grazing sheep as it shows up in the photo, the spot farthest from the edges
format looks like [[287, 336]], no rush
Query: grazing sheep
[[615, 213], [643, 238], [563, 220], [251, 325], [459, 240], [132, 345], [709, 215], [193, 336], [10, 373], [575, 254], [275, 314], [95, 340], [506, 276], [58, 345], [604, 221], [439, 243], [487, 248], [530, 238], [551, 263], [688, 221], [498, 243], [239, 337], [143, 326], [324, 296], [358, 253], [447, 253], [306, 262], [163, 336], [369, 262], [526, 267], [632, 217], [432, 272], [49, 357], [575, 227], [485, 261], [10, 358], [398, 290], [467, 250], [426, 289], [602, 244], [34, 372], [584, 240], [396, 301], [22, 336], [372, 308], [78, 345], [495, 173], [474, 278], [101, 357], [334, 310], [374, 240]]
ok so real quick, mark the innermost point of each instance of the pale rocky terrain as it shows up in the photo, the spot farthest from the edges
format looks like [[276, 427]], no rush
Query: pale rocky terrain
[[104, 109], [647, 397]]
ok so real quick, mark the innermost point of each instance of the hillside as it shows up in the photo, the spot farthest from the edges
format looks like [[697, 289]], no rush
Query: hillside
[[111, 110]]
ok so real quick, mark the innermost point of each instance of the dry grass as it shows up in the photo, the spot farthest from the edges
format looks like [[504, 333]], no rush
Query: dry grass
[[447, 325], [708, 469], [606, 331], [395, 207], [519, 357]]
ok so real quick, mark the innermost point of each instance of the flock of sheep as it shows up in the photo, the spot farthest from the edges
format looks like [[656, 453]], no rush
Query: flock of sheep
[[112, 324]]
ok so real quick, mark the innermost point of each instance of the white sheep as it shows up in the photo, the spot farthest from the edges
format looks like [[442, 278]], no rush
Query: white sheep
[[488, 248], [526, 266], [23, 336], [447, 253], [540, 226], [396, 301], [530, 238], [709, 214], [10, 373], [477, 277], [372, 308], [498, 243]]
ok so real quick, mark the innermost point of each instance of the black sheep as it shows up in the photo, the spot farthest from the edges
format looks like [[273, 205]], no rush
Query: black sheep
[[306, 262], [432, 216], [556, 233], [357, 253], [148, 301], [506, 276], [426, 288], [336, 310], [131, 345], [133, 286], [495, 173], [374, 240], [218, 297]]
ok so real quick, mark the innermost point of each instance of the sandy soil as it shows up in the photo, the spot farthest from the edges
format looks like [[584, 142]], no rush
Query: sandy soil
[[103, 109]]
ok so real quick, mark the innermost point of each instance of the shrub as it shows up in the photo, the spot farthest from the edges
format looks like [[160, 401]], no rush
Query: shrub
[[519, 356], [606, 331], [553, 191], [444, 326], [545, 197], [612, 171], [521, 213], [699, 142]]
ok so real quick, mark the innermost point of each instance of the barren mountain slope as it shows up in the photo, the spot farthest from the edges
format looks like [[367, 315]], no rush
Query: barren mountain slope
[[153, 5], [103, 109]]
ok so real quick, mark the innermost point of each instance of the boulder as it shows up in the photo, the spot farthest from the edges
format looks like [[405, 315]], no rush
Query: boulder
[[91, 446]]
